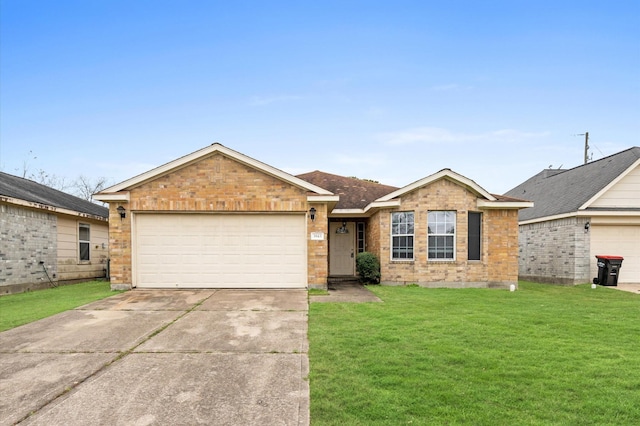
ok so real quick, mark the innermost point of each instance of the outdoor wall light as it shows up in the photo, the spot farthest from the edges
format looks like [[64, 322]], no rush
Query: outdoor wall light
[[312, 213], [587, 226], [122, 211]]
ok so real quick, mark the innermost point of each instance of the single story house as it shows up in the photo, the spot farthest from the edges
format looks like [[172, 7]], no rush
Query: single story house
[[218, 218], [589, 210], [48, 236]]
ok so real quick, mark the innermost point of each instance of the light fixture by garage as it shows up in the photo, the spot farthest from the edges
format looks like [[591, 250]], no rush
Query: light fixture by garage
[[122, 212]]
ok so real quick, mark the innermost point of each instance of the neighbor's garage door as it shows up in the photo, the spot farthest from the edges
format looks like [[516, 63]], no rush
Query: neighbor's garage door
[[220, 251], [618, 241]]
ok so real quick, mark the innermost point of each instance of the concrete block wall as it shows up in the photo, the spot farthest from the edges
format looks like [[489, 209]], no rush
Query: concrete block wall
[[555, 251], [27, 237]]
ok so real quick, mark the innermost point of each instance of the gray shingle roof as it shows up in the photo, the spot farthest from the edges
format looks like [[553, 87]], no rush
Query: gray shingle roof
[[564, 191], [28, 190]]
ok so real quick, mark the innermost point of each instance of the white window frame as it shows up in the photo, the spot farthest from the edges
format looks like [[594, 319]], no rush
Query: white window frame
[[81, 242], [434, 230], [405, 234]]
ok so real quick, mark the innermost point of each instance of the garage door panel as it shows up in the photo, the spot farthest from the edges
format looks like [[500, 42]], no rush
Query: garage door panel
[[226, 251]]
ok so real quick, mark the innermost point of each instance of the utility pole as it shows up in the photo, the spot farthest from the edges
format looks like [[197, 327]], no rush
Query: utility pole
[[586, 147]]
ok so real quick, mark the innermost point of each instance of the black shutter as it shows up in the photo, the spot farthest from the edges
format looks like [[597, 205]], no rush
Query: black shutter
[[473, 240]]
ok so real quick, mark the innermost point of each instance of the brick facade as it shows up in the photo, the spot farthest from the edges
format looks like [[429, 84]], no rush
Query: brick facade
[[218, 181], [318, 250], [555, 251], [214, 183], [498, 266]]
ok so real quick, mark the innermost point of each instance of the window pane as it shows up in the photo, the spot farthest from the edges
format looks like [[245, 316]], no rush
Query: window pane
[[83, 233], [402, 247], [395, 229], [402, 235], [441, 228], [84, 251]]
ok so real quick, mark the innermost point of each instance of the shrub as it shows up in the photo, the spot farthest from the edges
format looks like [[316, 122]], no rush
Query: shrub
[[368, 267]]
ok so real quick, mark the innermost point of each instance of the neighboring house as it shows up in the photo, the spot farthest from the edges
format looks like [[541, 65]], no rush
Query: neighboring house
[[43, 232], [217, 218], [590, 210]]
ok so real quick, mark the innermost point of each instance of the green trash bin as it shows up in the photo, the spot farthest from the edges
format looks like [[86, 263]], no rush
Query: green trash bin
[[608, 270]]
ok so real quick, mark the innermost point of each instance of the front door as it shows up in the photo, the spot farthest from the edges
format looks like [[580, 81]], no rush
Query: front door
[[342, 257]]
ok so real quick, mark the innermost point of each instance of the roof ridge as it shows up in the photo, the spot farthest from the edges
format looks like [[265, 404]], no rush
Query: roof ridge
[[596, 161], [566, 191], [347, 177]]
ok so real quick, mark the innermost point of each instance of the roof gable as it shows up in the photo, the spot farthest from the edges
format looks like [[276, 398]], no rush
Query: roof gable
[[622, 192], [33, 192], [566, 191], [442, 174], [204, 152]]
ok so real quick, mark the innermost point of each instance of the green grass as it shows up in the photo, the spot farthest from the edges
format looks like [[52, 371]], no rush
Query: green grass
[[543, 355], [23, 308], [318, 292]]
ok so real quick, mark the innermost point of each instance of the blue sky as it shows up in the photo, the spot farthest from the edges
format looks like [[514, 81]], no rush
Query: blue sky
[[386, 90]]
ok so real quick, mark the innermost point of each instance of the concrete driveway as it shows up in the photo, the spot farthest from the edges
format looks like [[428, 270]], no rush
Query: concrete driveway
[[223, 357]]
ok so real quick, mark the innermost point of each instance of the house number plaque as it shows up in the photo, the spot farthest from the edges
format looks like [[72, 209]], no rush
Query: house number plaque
[[318, 236]]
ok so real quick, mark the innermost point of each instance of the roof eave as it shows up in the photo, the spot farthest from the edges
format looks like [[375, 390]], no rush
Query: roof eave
[[53, 209], [369, 210], [581, 213], [486, 204], [118, 196]]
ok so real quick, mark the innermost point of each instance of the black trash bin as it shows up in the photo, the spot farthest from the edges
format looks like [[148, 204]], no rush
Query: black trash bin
[[608, 270]]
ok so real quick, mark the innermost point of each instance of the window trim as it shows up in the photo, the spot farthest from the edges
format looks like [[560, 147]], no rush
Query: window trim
[[453, 236], [87, 226], [412, 235]]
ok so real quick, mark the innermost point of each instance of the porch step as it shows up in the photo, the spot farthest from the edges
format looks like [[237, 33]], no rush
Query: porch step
[[332, 282]]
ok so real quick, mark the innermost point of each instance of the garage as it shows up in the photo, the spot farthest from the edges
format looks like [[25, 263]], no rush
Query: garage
[[198, 250], [619, 241]]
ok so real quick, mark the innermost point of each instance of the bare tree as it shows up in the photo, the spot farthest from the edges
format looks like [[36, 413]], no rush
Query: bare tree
[[51, 180], [85, 187], [26, 163]]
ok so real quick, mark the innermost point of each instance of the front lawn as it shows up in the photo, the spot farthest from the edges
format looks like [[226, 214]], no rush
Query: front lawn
[[22, 308], [538, 356]]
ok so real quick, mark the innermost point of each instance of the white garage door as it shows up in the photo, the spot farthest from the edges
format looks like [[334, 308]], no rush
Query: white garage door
[[618, 241], [220, 251]]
